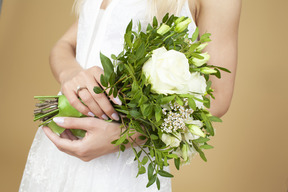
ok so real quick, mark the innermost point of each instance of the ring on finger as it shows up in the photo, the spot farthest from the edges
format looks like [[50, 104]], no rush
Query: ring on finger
[[79, 88]]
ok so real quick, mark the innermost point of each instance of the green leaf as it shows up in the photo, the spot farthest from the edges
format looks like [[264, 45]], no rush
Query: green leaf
[[165, 18], [202, 155], [192, 103], [151, 180], [98, 90], [158, 113], [206, 147], [141, 170], [152, 152], [107, 65], [122, 148], [129, 26], [155, 22], [142, 137], [172, 156], [150, 170], [179, 101], [135, 114], [158, 183], [209, 127], [207, 103], [195, 35], [121, 140], [140, 52], [201, 140], [177, 163], [166, 100], [218, 74], [154, 137], [127, 38], [164, 173], [145, 160], [103, 81], [214, 119]]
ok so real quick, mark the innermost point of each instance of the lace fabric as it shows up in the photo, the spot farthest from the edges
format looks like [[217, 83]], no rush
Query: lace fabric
[[50, 170]]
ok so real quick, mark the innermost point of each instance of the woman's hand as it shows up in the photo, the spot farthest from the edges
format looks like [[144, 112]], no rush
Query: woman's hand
[[95, 104], [97, 141]]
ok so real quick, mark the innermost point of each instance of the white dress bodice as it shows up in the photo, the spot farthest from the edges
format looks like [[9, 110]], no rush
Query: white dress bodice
[[110, 36], [50, 170]]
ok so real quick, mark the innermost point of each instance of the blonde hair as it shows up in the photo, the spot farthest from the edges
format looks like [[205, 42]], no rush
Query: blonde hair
[[157, 8]]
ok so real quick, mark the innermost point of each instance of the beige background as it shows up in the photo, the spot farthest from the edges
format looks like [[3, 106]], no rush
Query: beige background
[[250, 146]]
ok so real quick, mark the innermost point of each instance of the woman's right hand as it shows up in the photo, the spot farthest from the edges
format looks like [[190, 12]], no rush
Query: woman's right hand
[[95, 104]]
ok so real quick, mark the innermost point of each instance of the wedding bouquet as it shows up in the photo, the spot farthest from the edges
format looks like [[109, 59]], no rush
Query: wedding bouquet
[[162, 80]]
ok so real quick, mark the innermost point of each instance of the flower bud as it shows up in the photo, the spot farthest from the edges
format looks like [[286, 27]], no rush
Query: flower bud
[[201, 47], [182, 25], [179, 20], [200, 62], [184, 150], [163, 29], [194, 129], [207, 70]]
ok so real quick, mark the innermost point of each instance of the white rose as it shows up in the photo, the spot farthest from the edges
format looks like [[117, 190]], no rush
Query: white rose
[[171, 140], [168, 72], [197, 83]]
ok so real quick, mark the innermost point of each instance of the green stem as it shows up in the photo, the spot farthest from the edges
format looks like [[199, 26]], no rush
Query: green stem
[[47, 114]]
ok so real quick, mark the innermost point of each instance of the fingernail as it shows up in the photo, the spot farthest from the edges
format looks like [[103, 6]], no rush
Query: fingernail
[[91, 114], [115, 116], [118, 101], [58, 120], [104, 117]]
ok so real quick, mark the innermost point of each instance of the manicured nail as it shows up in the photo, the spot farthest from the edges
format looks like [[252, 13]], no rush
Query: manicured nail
[[115, 116], [104, 117], [91, 114], [58, 120], [117, 101]]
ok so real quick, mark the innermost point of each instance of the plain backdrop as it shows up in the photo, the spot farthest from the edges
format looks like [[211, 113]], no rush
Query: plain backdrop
[[250, 151]]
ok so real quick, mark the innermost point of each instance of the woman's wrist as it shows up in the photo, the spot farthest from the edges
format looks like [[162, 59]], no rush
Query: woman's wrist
[[69, 73]]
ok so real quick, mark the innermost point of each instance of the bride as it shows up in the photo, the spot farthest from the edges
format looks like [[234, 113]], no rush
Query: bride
[[66, 163]]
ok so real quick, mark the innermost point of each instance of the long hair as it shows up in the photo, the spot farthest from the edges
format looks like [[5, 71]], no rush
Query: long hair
[[157, 8]]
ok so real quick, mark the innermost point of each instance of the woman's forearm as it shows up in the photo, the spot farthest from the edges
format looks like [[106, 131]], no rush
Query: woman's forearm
[[62, 60], [62, 56]]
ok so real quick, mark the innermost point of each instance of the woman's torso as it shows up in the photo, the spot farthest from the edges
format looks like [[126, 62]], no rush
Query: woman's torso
[[111, 28]]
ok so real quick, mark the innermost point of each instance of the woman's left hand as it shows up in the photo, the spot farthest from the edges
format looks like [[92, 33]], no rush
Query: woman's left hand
[[97, 141]]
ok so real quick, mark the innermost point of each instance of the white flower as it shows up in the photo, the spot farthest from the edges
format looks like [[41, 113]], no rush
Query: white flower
[[197, 83], [188, 136], [200, 62], [168, 73], [186, 152], [171, 140]]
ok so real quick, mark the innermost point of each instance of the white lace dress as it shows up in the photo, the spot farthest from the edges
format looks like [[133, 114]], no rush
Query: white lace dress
[[50, 170]]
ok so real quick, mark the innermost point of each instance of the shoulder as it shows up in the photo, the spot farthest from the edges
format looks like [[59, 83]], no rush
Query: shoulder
[[220, 9]]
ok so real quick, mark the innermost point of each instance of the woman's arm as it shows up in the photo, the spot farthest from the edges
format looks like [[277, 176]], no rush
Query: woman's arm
[[70, 75], [221, 19]]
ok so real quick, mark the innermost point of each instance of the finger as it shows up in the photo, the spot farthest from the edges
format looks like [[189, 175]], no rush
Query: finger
[[87, 98], [64, 145], [99, 104], [77, 104], [85, 123], [70, 135], [98, 72]]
